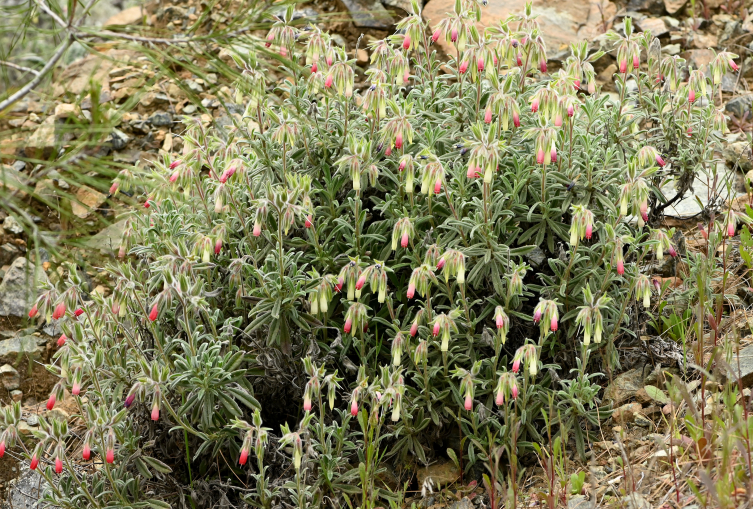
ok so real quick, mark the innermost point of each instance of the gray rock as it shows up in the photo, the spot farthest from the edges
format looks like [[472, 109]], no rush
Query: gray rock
[[194, 87], [635, 501], [368, 14], [643, 421], [161, 118], [738, 154], [536, 257], [464, 503], [19, 166], [12, 349], [189, 109], [652, 6], [9, 377], [580, 502], [11, 225], [400, 4], [119, 139], [746, 367], [26, 491], [108, 240], [739, 105], [8, 253], [16, 395], [624, 386], [19, 288], [127, 156]]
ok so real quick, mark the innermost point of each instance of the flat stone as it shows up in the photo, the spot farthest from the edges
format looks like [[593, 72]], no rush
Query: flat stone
[[362, 57], [368, 14], [19, 288], [161, 118], [26, 491], [635, 500], [9, 377], [8, 253], [10, 224], [643, 421], [739, 105], [699, 58], [43, 141], [580, 502], [108, 240], [656, 26], [673, 6], [464, 503], [16, 395], [401, 4], [12, 349], [624, 387], [651, 6], [87, 200], [441, 474], [119, 139], [626, 413], [700, 192], [64, 110], [131, 16], [746, 367], [562, 21]]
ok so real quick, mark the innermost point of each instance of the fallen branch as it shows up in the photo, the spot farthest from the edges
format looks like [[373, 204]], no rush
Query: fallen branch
[[19, 67]]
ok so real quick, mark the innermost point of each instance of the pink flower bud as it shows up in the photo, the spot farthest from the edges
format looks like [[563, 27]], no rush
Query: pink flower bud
[[388, 151], [174, 164], [129, 400], [488, 116], [414, 329], [500, 322], [480, 64], [540, 156], [620, 267], [672, 251], [406, 75], [404, 240], [61, 340], [401, 167], [51, 402], [659, 160], [500, 399], [76, 389], [730, 229], [2, 448], [87, 453], [218, 246], [436, 329], [309, 221], [542, 66], [58, 466], [436, 35], [339, 285], [314, 67], [361, 281], [553, 155], [440, 263], [33, 311], [153, 313], [244, 457], [147, 204], [515, 391], [110, 456], [519, 59], [155, 412], [406, 42], [496, 60], [114, 187], [463, 67], [354, 408], [516, 366], [468, 402], [78, 312], [399, 141], [703, 231], [34, 462], [411, 290], [576, 84], [623, 66], [589, 231], [636, 62], [733, 65], [535, 105], [329, 60], [691, 95], [328, 81], [307, 404], [348, 325], [558, 120], [553, 324], [454, 35], [471, 173], [570, 111], [257, 230], [591, 87], [537, 316], [59, 311], [437, 186]]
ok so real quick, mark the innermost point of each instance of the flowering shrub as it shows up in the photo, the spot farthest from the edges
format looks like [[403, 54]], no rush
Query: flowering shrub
[[434, 246]]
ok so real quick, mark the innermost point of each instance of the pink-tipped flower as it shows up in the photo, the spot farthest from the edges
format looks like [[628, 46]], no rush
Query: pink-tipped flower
[[436, 35], [244, 457], [78, 312], [576, 84], [500, 322], [440, 263], [516, 119], [129, 400], [644, 211], [399, 141], [328, 81], [34, 462], [691, 95], [414, 329], [471, 173], [307, 404], [500, 399], [515, 391], [454, 35], [329, 60], [348, 325], [468, 402], [620, 267], [58, 466], [437, 186], [59, 311], [553, 155], [542, 66], [558, 120], [76, 389], [540, 156], [589, 231], [404, 240], [388, 151], [463, 67], [480, 64], [61, 339], [33, 311], [659, 160], [51, 402], [733, 65], [257, 230], [147, 204], [153, 313], [536, 316], [401, 166], [270, 38], [218, 246], [406, 42], [535, 105], [110, 456], [361, 281], [114, 187], [174, 164], [314, 67], [672, 251], [488, 116], [435, 331], [339, 285], [354, 408], [730, 229], [174, 176], [519, 59], [2, 448], [570, 110], [623, 66], [636, 62], [516, 366], [553, 324], [704, 233], [87, 453], [411, 290], [309, 221], [155, 412]]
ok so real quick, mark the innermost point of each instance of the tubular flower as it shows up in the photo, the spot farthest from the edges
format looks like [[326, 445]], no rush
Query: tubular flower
[[581, 225], [662, 242], [643, 290], [502, 322], [376, 276], [420, 280], [355, 318], [444, 324], [432, 174], [467, 383], [507, 387], [453, 264], [349, 275], [398, 344], [321, 295], [590, 317], [404, 231], [722, 63], [731, 218], [528, 355], [421, 353], [546, 315]]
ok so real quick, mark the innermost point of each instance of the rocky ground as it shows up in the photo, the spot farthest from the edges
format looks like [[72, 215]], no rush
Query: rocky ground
[[142, 109]]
